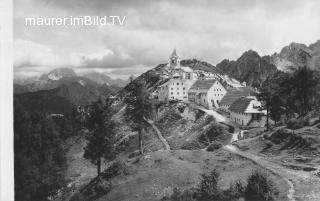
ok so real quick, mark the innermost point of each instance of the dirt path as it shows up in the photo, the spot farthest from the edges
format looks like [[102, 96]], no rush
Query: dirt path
[[163, 140], [274, 168]]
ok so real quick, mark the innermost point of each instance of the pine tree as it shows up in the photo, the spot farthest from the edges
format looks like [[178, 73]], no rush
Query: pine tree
[[139, 108], [101, 136]]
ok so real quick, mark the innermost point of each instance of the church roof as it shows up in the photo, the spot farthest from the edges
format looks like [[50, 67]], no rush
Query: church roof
[[203, 84], [232, 95], [240, 105]]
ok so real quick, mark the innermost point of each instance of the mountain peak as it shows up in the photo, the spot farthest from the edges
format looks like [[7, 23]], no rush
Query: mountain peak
[[250, 53], [58, 73]]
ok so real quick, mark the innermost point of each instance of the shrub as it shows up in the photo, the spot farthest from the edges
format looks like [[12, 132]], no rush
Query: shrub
[[208, 188], [199, 114], [181, 108], [214, 146], [117, 168], [235, 191], [102, 187], [194, 145], [231, 129], [294, 123], [215, 132], [260, 187]]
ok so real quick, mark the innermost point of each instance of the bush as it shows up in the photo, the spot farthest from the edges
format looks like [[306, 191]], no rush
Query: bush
[[294, 123], [231, 129], [214, 146], [117, 168], [194, 145], [181, 108], [208, 188], [215, 133], [199, 114], [235, 191], [260, 187], [102, 187]]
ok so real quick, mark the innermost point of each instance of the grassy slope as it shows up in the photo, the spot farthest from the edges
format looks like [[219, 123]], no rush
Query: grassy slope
[[297, 152], [155, 175]]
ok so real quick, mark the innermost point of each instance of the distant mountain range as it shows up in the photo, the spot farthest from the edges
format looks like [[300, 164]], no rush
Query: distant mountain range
[[60, 91], [59, 73], [105, 79], [253, 69]]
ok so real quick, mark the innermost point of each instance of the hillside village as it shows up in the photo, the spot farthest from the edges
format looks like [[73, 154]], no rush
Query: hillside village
[[202, 120], [205, 88]]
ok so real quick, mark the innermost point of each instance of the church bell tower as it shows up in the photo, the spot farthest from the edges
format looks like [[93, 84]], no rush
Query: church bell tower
[[174, 60]]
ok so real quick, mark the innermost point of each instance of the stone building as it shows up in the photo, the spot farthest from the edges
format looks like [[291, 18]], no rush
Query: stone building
[[207, 93]]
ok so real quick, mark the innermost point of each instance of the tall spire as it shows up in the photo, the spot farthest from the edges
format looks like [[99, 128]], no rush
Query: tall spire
[[174, 59], [174, 53]]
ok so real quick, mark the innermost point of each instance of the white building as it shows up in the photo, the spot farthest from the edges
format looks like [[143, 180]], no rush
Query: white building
[[181, 79], [207, 93], [245, 110]]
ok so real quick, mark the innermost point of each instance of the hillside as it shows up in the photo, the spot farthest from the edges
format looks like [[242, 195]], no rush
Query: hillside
[[155, 174], [47, 101], [64, 98]]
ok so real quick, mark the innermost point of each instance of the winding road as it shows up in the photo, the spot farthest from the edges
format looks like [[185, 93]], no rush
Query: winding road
[[309, 184], [274, 168]]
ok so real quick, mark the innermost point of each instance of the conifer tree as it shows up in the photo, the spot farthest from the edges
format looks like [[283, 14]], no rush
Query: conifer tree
[[101, 135], [139, 108]]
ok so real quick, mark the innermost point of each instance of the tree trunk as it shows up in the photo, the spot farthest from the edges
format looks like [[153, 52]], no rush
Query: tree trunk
[[268, 115], [140, 142], [99, 166]]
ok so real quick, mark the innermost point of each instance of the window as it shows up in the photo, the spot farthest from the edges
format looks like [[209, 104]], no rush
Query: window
[[177, 88], [184, 88], [171, 93], [171, 88], [177, 93], [184, 93], [177, 83]]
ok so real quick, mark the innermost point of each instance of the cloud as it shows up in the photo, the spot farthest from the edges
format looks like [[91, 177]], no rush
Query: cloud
[[210, 30], [29, 53]]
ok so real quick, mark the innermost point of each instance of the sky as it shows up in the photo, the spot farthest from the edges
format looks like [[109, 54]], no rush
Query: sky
[[209, 30]]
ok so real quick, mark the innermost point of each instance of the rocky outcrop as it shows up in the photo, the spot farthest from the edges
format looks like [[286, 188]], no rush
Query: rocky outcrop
[[250, 68], [297, 55]]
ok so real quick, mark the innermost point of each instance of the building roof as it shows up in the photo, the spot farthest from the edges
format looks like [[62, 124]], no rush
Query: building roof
[[203, 84], [186, 69], [240, 105], [234, 94]]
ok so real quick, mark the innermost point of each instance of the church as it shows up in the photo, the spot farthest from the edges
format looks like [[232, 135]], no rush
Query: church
[[181, 80]]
